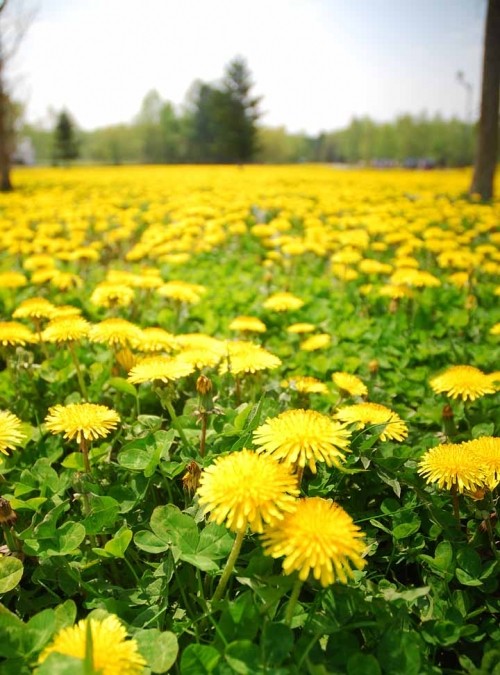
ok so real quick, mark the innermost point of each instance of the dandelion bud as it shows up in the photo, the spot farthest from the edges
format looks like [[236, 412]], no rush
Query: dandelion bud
[[203, 385], [471, 302], [448, 418], [191, 478], [373, 366], [7, 515]]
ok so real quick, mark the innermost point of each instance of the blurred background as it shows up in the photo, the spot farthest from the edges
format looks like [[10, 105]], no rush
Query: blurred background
[[372, 82]]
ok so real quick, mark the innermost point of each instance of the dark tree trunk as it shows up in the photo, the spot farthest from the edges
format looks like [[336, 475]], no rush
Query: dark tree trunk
[[487, 143], [5, 141]]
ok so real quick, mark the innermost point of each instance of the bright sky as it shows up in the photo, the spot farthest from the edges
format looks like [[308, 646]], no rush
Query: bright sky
[[316, 63]]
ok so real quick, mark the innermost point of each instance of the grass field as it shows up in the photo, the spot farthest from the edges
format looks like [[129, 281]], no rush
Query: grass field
[[248, 422]]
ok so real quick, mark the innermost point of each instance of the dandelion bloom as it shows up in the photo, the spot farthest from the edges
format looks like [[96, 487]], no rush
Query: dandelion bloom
[[199, 357], [315, 342], [246, 357], [10, 431], [182, 291], [362, 414], [244, 489], [396, 291], [112, 295], [495, 330], [303, 437], [162, 368], [452, 465], [298, 328], [305, 385], [283, 302], [66, 329], [12, 280], [318, 537], [487, 452], [463, 382], [154, 339], [114, 332], [63, 281], [34, 308], [81, 421], [112, 653], [250, 324], [15, 333], [65, 311], [350, 383], [200, 341]]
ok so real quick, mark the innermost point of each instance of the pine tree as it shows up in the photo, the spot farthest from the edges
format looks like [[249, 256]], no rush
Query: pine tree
[[65, 142]]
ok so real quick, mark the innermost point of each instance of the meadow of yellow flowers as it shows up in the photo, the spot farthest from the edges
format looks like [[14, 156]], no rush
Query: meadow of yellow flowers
[[249, 421]]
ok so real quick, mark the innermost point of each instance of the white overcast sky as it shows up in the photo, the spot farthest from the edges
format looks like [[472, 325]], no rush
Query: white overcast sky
[[316, 63]]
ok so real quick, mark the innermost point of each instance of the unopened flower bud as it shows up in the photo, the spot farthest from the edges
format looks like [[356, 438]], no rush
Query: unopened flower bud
[[203, 385], [373, 366], [7, 514]]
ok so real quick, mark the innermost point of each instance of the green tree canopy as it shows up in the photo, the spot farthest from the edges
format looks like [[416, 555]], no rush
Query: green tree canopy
[[66, 145]]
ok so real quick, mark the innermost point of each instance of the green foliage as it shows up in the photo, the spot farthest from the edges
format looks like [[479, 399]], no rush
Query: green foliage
[[65, 144]]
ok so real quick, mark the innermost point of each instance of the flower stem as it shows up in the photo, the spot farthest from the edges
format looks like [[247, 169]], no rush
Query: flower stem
[[293, 601], [175, 422], [203, 436], [81, 382], [233, 556], [85, 452], [456, 504]]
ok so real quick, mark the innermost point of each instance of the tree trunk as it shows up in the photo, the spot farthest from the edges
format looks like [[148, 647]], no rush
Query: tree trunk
[[487, 144], [5, 142]]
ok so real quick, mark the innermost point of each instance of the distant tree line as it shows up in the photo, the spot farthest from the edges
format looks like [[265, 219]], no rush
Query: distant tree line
[[198, 134], [219, 123]]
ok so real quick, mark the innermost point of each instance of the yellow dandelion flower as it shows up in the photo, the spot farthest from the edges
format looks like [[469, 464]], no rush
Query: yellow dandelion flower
[[160, 368], [412, 277], [246, 357], [350, 383], [199, 357], [63, 281], [65, 311], [283, 302], [487, 452], [34, 308], [362, 414], [250, 324], [318, 537], [298, 328], [244, 489], [154, 339], [459, 279], [319, 341], [10, 431], [200, 341], [495, 330], [182, 291], [305, 385], [114, 332], [396, 291], [15, 333], [112, 653], [81, 421], [344, 272], [452, 465], [12, 280], [303, 437], [371, 266], [463, 382], [66, 329], [112, 295]]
